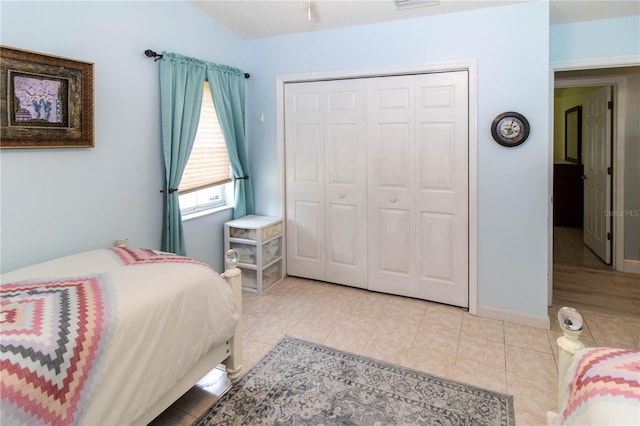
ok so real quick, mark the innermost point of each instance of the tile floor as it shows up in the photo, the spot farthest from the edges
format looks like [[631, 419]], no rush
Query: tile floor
[[434, 338]]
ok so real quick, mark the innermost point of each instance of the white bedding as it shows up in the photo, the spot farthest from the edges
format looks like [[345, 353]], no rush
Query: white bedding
[[169, 314]]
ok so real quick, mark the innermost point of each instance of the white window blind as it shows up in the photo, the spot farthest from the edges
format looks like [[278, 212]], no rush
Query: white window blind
[[208, 163]]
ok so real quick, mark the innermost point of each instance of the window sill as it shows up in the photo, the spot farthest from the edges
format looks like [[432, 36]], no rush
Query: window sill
[[196, 215]]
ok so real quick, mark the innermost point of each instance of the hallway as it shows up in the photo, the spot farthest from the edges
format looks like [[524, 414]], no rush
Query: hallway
[[581, 280]]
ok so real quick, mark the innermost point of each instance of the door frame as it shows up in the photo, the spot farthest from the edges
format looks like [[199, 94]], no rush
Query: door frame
[[471, 68], [618, 143]]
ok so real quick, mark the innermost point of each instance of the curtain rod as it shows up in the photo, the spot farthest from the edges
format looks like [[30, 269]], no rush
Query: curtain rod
[[151, 54]]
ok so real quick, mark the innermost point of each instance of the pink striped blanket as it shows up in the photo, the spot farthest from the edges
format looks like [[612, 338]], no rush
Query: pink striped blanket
[[603, 387]]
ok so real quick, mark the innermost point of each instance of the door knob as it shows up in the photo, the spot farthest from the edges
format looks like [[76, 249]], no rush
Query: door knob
[[394, 199], [341, 195], [584, 177]]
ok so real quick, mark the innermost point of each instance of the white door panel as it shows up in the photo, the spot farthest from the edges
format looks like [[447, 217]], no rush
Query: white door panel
[[309, 164], [341, 149], [596, 151], [442, 141], [305, 174], [436, 155], [304, 240], [342, 235], [423, 173], [437, 246], [336, 232], [344, 254], [394, 231], [393, 149], [345, 184], [309, 217], [391, 185]]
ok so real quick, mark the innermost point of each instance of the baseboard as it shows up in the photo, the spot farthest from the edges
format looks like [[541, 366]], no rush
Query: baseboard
[[632, 266], [541, 321]]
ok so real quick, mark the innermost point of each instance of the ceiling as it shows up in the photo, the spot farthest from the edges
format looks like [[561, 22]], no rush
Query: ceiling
[[265, 18]]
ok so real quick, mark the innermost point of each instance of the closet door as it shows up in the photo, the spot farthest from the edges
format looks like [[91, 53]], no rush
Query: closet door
[[442, 180], [392, 186], [418, 188], [325, 151]]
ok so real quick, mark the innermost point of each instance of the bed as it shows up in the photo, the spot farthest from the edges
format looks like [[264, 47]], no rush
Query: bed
[[596, 385], [113, 336]]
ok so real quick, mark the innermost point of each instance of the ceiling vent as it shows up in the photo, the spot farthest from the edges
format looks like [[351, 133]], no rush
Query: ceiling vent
[[411, 4]]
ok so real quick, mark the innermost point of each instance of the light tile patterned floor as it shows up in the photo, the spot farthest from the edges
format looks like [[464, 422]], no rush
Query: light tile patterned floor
[[434, 338]]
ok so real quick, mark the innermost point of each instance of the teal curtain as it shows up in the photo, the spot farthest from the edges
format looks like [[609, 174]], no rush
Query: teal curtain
[[228, 93], [181, 81]]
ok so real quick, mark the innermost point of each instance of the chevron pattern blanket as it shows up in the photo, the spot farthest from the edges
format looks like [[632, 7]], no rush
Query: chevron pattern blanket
[[53, 334], [98, 337]]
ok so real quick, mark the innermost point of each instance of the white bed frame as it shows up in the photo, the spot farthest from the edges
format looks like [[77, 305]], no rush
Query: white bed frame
[[229, 354], [568, 345], [592, 406]]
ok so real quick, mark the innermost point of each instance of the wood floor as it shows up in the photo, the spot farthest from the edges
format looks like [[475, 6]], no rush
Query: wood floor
[[581, 280], [597, 290]]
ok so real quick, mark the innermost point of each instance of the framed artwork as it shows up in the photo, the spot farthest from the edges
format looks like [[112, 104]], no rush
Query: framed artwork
[[573, 134], [47, 101]]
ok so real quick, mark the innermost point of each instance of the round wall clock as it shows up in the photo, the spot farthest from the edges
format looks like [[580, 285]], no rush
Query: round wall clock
[[510, 129]]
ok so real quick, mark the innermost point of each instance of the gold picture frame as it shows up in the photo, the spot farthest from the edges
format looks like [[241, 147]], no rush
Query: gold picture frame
[[47, 101]]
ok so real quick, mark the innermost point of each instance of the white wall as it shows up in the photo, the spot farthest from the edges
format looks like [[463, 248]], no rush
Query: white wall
[[512, 63], [60, 201]]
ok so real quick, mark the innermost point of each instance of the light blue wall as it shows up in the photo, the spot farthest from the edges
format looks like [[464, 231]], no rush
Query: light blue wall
[[603, 38], [512, 62], [57, 202]]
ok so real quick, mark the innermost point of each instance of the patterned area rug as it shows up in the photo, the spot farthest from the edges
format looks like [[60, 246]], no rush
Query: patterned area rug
[[299, 382]]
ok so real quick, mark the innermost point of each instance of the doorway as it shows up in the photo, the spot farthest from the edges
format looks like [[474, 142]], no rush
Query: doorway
[[623, 79], [616, 77], [583, 156]]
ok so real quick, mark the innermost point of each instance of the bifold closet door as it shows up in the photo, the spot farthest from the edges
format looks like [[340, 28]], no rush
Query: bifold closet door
[[326, 186], [418, 186], [377, 183]]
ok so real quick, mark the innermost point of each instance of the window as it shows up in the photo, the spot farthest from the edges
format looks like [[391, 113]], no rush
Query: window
[[206, 179]]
